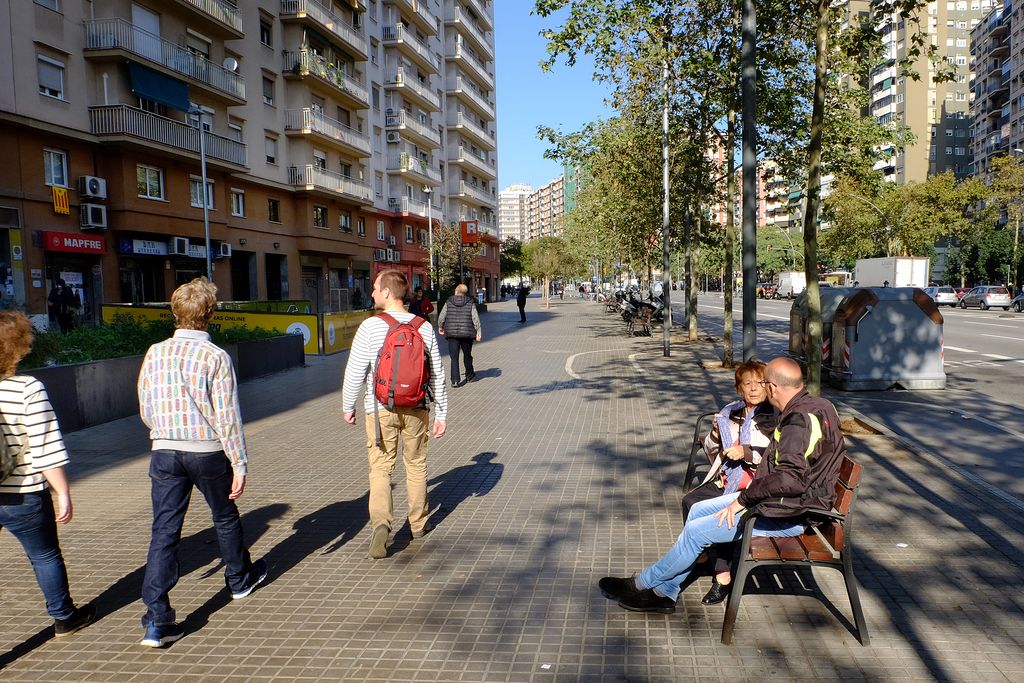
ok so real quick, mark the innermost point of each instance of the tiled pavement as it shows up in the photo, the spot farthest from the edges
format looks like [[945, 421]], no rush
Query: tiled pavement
[[562, 464]]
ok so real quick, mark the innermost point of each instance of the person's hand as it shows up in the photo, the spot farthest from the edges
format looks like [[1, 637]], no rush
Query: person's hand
[[734, 452], [478, 336], [440, 331], [65, 511], [728, 515], [237, 486], [439, 429], [350, 417]]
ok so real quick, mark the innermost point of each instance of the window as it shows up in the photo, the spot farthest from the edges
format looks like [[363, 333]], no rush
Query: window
[[380, 230], [55, 167], [237, 202], [375, 98], [961, 60], [961, 42], [345, 221], [194, 185], [320, 160], [320, 216], [361, 226], [51, 77], [949, 150], [270, 145], [960, 151], [49, 4], [408, 234], [374, 46], [235, 131], [949, 132], [268, 91], [150, 181], [346, 169], [266, 32], [274, 210]]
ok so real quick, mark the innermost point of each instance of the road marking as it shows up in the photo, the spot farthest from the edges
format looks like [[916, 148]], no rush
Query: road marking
[[957, 348], [997, 356], [632, 359], [999, 336], [570, 359]]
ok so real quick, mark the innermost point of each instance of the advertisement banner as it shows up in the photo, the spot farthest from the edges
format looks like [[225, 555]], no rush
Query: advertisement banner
[[73, 242], [340, 328], [470, 231]]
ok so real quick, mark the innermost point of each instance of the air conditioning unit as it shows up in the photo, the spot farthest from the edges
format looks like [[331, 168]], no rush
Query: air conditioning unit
[[396, 256], [390, 255], [178, 246], [92, 217], [391, 240], [91, 187], [394, 137], [224, 250], [380, 254]]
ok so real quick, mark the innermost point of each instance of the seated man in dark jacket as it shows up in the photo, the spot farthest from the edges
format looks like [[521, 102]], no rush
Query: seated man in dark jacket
[[797, 473]]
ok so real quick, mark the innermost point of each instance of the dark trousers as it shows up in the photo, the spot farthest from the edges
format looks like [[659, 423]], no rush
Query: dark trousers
[[173, 474], [522, 313], [707, 492], [466, 347], [30, 519]]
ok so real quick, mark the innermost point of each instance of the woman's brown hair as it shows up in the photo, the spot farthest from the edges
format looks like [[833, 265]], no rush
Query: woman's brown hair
[[15, 340]]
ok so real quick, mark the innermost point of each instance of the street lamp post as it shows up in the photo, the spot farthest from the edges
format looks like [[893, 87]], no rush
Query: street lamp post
[[430, 237], [197, 111]]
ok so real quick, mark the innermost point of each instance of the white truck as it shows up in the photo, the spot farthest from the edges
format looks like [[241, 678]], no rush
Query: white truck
[[892, 271], [791, 283]]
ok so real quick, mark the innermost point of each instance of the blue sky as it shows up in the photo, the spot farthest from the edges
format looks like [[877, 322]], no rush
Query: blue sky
[[565, 99]]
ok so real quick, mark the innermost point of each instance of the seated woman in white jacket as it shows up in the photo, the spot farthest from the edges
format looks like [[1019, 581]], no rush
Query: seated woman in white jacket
[[747, 425]]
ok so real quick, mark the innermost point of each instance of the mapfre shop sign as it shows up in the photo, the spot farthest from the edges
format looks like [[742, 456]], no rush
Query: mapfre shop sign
[[79, 244]]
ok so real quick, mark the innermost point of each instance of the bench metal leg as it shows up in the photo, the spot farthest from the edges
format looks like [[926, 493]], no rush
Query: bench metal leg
[[732, 607], [854, 595]]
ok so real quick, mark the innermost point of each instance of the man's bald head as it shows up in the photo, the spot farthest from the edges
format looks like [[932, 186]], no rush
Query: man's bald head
[[785, 372]]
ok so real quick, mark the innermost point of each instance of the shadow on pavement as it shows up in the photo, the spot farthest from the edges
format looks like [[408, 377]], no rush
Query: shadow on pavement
[[332, 526], [459, 483]]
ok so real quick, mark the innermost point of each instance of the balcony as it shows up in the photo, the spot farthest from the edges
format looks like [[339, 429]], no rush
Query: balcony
[[468, 127], [470, 94], [422, 133], [416, 170], [410, 87], [419, 12], [405, 41], [465, 158], [124, 123], [312, 122], [474, 193], [305, 63], [465, 25], [215, 16], [312, 178], [352, 39], [470, 64], [411, 207], [117, 38], [480, 8]]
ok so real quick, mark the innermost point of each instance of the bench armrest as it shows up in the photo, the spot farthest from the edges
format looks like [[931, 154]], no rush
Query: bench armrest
[[696, 446]]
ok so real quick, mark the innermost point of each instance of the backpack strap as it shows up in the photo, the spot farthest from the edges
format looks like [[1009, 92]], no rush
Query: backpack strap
[[392, 323]]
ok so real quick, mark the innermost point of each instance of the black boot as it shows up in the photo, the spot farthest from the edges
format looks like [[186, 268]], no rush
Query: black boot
[[717, 594]]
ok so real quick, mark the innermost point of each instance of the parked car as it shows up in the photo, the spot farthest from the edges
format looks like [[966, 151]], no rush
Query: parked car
[[1018, 303], [960, 291], [987, 297], [942, 296]]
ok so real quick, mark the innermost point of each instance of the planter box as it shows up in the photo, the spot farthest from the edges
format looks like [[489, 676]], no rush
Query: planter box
[[88, 394]]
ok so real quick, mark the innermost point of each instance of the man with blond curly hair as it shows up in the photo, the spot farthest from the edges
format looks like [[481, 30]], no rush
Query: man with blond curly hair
[[188, 399]]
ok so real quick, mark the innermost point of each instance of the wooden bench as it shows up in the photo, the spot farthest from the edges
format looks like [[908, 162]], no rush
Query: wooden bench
[[829, 543], [641, 322]]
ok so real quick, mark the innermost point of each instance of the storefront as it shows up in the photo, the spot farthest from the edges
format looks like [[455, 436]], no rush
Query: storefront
[[77, 260], [141, 266]]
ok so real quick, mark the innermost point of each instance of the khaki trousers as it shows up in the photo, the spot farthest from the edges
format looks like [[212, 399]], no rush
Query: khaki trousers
[[411, 425]]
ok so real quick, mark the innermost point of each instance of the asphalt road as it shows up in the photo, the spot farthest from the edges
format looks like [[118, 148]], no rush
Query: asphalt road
[[974, 427]]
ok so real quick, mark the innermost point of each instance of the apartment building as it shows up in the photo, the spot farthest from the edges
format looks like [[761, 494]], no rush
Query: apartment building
[[513, 216], [996, 109], [937, 113], [107, 110], [544, 210]]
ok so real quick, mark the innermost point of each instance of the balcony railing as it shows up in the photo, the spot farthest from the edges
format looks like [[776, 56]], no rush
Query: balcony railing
[[398, 77], [481, 12], [461, 52], [408, 163], [465, 24], [405, 120], [326, 17], [118, 34], [221, 11], [478, 193], [468, 88], [305, 62], [314, 121], [413, 206], [123, 119], [399, 34], [459, 119], [310, 176], [482, 165], [421, 11]]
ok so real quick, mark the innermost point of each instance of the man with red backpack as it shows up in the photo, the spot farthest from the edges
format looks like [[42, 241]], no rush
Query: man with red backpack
[[394, 354]]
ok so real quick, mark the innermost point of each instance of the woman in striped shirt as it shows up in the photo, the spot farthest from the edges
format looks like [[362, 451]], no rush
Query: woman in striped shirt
[[26, 508]]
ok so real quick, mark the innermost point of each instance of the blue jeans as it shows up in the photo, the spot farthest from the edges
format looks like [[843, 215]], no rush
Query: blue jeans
[[29, 517], [700, 531], [173, 474]]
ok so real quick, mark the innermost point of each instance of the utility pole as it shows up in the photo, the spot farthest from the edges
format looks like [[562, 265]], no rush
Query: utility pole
[[748, 87]]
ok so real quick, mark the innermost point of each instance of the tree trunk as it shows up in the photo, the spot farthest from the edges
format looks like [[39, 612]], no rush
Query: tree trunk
[[813, 199], [547, 292], [728, 283]]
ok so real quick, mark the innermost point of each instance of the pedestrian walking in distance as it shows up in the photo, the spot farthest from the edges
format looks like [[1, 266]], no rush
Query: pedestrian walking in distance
[[386, 423], [188, 399], [460, 324], [521, 295], [32, 460]]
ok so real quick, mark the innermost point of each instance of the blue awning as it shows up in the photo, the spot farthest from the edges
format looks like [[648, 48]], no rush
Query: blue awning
[[153, 85]]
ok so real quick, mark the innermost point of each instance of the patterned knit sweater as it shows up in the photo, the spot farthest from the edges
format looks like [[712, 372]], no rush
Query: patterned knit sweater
[[188, 397]]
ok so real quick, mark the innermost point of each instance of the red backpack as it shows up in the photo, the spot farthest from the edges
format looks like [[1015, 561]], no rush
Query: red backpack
[[401, 375]]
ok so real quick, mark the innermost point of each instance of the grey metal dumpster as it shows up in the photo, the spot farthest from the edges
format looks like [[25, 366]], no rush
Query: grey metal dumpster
[[799, 316], [885, 337]]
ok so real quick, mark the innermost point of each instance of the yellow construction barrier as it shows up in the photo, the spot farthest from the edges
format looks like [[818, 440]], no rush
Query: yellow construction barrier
[[340, 328]]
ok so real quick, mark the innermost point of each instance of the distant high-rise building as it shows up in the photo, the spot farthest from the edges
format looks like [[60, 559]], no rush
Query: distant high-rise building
[[996, 109], [513, 211]]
